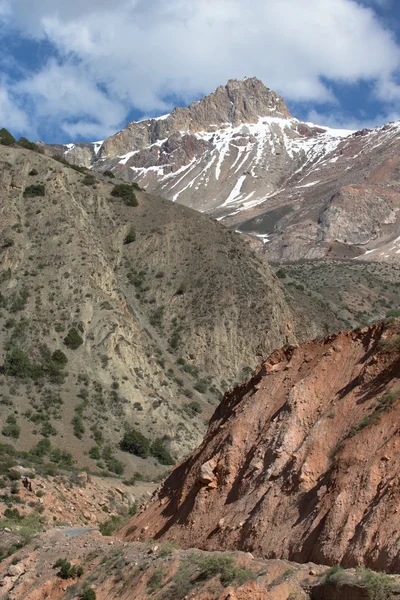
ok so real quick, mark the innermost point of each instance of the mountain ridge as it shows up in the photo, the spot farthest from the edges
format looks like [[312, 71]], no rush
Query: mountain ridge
[[239, 156]]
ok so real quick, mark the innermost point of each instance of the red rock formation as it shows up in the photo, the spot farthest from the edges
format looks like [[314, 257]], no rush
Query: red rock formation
[[302, 462]]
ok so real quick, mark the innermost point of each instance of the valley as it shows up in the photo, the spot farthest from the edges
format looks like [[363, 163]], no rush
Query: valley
[[199, 359]]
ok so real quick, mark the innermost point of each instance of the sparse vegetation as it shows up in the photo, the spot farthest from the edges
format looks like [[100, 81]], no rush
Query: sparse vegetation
[[130, 236], [193, 408], [378, 585], [126, 193], [159, 450], [135, 443], [87, 594], [34, 190], [108, 527], [155, 580], [11, 429], [8, 243], [28, 145], [89, 180], [73, 339], [109, 174], [66, 570], [6, 138]]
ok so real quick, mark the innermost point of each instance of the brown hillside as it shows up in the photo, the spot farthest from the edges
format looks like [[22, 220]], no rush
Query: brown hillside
[[300, 463], [164, 323]]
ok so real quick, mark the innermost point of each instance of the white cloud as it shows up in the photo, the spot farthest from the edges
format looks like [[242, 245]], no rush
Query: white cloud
[[337, 120], [11, 116], [138, 52]]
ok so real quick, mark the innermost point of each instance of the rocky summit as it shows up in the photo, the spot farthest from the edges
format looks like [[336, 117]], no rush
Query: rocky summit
[[302, 190]]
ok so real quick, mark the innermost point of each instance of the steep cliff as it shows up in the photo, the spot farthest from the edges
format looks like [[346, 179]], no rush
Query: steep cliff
[[301, 462]]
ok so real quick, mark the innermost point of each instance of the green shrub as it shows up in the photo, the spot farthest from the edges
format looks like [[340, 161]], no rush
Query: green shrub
[[33, 172], [87, 594], [201, 386], [159, 450], [18, 364], [393, 314], [89, 180], [73, 340], [115, 466], [18, 301], [67, 571], [42, 448], [210, 566], [11, 429], [281, 273], [78, 426], [109, 174], [379, 585], [6, 138], [125, 191], [155, 579], [8, 242], [58, 357], [136, 443], [34, 190], [156, 317], [25, 143], [94, 453], [108, 527], [130, 237]]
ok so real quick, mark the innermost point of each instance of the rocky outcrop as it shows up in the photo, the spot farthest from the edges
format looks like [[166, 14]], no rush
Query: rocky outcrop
[[301, 462]]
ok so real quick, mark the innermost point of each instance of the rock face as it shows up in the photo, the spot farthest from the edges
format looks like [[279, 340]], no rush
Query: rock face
[[302, 462], [304, 191]]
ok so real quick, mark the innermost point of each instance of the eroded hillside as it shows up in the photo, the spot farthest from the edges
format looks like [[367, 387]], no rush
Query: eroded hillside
[[299, 463], [119, 313]]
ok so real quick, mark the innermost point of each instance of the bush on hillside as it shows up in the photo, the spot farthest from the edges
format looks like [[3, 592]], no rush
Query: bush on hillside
[[89, 180], [130, 237], [28, 145], [87, 594], [135, 443], [6, 138], [73, 340], [18, 364], [109, 174], [125, 191], [34, 190], [159, 450], [281, 273], [8, 242]]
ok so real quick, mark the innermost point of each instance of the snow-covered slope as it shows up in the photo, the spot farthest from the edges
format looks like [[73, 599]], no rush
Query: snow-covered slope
[[303, 190]]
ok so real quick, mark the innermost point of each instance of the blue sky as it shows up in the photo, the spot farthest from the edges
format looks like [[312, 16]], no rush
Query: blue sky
[[82, 69]]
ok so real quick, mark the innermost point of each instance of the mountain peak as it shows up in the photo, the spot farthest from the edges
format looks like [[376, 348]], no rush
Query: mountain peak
[[237, 102]]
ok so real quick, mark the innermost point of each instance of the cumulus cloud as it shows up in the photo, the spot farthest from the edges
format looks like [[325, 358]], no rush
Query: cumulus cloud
[[337, 120], [140, 53], [10, 114]]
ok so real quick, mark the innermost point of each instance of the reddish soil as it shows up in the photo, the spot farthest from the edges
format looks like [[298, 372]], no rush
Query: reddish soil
[[300, 463]]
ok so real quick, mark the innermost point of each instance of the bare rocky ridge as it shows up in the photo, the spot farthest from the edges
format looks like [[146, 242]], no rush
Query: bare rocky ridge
[[304, 191], [299, 463], [170, 319]]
